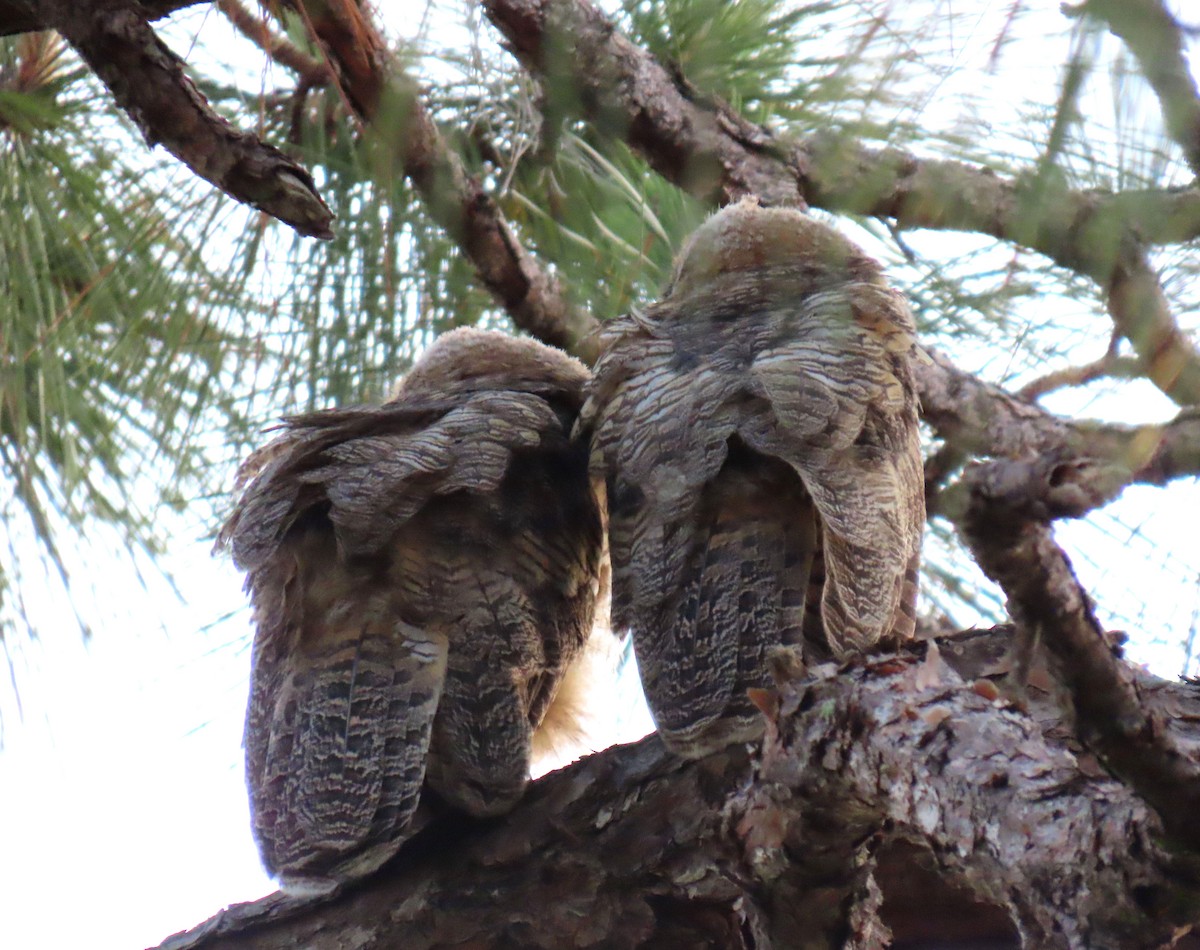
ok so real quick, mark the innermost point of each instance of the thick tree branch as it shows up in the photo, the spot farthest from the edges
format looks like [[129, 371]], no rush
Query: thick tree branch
[[388, 102], [706, 148], [584, 62], [1085, 232], [148, 81], [568, 868], [909, 747], [1156, 40], [633, 848], [28, 16], [1007, 527]]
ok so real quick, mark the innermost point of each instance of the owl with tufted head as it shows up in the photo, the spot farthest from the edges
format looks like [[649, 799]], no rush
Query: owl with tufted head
[[756, 428]]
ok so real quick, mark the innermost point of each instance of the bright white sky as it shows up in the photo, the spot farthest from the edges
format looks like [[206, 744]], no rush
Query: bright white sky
[[121, 786]]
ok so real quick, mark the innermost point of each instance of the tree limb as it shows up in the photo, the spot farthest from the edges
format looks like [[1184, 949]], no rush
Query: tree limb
[[634, 848], [148, 81], [707, 149], [29, 16], [910, 747]]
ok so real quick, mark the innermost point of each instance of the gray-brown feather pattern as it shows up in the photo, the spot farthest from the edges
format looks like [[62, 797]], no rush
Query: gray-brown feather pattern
[[759, 418], [422, 573]]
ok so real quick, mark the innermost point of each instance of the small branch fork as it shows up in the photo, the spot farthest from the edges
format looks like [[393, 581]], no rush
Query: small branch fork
[[1110, 364], [975, 418]]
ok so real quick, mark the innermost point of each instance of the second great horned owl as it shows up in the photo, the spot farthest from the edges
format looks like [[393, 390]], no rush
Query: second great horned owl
[[423, 573], [757, 429]]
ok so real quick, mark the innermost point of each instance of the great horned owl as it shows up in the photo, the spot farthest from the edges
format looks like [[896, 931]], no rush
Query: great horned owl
[[423, 574], [757, 429]]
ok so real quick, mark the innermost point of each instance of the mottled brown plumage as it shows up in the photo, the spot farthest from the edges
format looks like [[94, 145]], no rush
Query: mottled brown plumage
[[757, 429], [423, 573]]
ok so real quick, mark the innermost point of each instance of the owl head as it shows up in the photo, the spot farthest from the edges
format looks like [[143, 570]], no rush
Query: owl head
[[466, 360], [747, 241]]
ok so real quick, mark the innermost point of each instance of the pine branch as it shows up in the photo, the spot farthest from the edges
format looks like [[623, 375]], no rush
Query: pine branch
[[148, 82], [388, 102], [705, 148]]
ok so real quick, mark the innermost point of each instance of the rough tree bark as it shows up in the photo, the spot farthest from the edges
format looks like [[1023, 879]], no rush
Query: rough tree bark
[[906, 793]]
